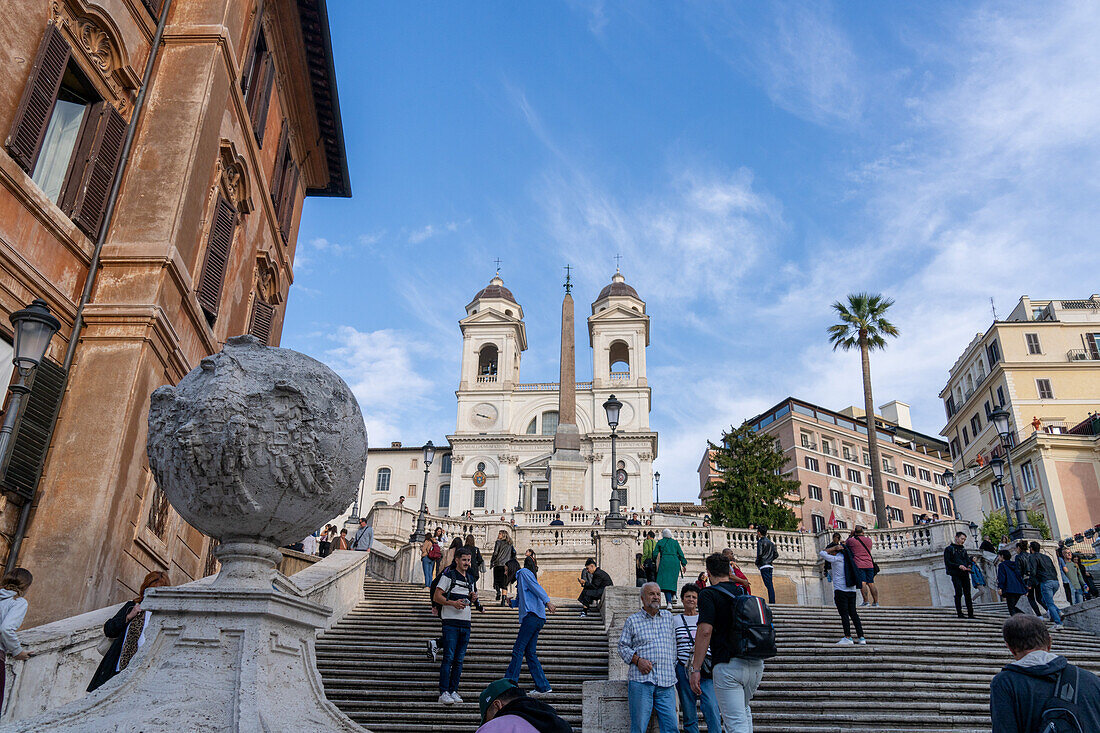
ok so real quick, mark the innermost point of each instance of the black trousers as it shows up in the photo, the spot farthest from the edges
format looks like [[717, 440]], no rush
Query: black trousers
[[1069, 592], [961, 581], [589, 596], [1032, 592], [845, 601], [1012, 599]]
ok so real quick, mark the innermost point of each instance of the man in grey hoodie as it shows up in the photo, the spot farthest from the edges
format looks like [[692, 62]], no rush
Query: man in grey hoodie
[[1022, 690]]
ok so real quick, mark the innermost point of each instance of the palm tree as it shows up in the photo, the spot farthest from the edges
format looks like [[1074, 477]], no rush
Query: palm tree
[[863, 323]]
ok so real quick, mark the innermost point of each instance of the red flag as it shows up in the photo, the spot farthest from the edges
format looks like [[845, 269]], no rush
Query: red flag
[[831, 524]]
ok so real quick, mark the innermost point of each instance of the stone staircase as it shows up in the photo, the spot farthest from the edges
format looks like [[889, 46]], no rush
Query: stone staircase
[[922, 670], [375, 668]]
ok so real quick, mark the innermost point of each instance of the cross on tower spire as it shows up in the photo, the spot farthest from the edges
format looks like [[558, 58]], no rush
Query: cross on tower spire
[[568, 279], [618, 260], [497, 261]]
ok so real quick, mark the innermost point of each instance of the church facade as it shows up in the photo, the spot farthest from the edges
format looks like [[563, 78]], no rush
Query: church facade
[[504, 439]]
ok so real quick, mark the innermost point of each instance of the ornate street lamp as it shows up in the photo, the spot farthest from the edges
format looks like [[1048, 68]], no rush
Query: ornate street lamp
[[429, 455], [614, 519], [974, 533], [34, 327], [997, 466], [949, 479], [657, 487], [519, 497], [1002, 422]]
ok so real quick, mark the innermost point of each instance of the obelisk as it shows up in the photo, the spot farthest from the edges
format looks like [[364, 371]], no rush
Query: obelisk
[[567, 466]]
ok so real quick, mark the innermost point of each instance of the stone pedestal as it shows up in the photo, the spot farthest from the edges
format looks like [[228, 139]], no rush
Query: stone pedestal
[[567, 486], [615, 551]]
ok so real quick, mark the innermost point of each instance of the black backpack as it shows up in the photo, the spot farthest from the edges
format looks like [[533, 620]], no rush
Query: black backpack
[[1061, 713], [751, 629]]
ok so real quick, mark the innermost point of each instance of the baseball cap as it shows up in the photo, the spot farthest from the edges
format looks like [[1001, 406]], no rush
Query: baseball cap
[[492, 692]]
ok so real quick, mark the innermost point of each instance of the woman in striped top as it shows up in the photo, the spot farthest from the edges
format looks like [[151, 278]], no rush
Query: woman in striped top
[[685, 625]]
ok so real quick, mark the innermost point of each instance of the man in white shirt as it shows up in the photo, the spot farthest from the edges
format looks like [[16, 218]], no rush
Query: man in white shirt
[[454, 593], [844, 592]]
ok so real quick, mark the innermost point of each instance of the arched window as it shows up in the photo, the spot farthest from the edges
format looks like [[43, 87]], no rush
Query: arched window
[[487, 363], [532, 427], [481, 467], [444, 496], [549, 422], [619, 357], [383, 482]]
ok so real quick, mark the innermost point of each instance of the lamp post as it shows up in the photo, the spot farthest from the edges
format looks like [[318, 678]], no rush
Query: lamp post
[[614, 519], [1023, 530], [997, 466], [34, 327], [974, 533], [519, 498], [429, 455], [657, 487]]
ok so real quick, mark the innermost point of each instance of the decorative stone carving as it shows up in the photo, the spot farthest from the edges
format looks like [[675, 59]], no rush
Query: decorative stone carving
[[506, 458], [233, 177], [93, 35], [256, 447]]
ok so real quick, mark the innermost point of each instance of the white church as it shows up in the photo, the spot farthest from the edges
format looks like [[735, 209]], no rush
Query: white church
[[504, 441]]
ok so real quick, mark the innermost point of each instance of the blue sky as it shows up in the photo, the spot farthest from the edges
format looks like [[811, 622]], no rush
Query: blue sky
[[751, 162]]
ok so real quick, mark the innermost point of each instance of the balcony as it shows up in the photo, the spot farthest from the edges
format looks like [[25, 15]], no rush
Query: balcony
[[486, 378], [809, 445], [1081, 355], [620, 376], [890, 470], [829, 451]]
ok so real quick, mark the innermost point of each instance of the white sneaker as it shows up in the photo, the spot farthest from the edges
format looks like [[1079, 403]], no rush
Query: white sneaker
[[874, 605], [446, 699], [539, 693], [1057, 627], [455, 697], [861, 640], [433, 650], [845, 642]]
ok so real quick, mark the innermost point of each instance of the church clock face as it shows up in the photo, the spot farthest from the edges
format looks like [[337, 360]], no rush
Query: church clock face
[[620, 476], [484, 416]]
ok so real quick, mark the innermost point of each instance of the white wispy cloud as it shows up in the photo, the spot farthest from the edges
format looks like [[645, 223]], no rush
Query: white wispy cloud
[[429, 231]]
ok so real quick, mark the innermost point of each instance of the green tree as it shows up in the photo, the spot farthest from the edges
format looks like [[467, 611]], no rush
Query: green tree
[[996, 525], [753, 488], [863, 324]]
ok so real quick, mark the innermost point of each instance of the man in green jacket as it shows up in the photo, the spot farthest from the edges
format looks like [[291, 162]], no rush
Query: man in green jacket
[[670, 565], [649, 559]]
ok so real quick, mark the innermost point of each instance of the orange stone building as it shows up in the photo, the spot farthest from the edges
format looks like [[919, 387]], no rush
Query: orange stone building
[[238, 123]]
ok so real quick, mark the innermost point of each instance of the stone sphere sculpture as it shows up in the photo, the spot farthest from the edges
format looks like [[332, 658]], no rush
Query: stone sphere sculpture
[[257, 444]]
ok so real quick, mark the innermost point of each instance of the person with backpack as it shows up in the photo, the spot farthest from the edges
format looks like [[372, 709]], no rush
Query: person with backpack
[[533, 602], [956, 560], [505, 708], [866, 568], [738, 631], [766, 554], [1009, 583], [686, 626], [454, 593], [843, 566], [430, 555], [1041, 691]]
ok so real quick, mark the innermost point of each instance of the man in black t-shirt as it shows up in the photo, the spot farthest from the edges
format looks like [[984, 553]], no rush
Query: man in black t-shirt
[[735, 678]]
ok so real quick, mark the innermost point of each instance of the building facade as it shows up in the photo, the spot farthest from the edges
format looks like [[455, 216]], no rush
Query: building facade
[[240, 122], [504, 436], [1042, 365], [830, 458]]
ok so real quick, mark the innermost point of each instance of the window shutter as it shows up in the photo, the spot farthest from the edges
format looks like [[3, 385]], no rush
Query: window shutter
[[279, 172], [218, 245], [265, 78], [33, 114], [259, 324], [32, 437], [286, 199], [97, 162]]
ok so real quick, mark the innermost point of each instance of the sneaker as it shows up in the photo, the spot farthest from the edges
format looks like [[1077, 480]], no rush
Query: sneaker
[[446, 699], [584, 613], [1057, 627], [540, 693], [862, 604], [433, 650], [845, 642], [874, 605], [455, 697], [861, 640]]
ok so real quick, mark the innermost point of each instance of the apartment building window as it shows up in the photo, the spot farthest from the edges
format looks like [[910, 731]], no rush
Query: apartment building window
[[818, 523], [910, 470], [832, 469], [411, 491], [914, 498], [1027, 473], [1001, 396], [945, 507], [284, 183], [1033, 345], [895, 514], [930, 501], [937, 479], [954, 446], [412, 463], [993, 351], [949, 406], [445, 463], [925, 475], [998, 497], [888, 465], [66, 136], [827, 447], [966, 437], [893, 487], [1092, 340], [808, 441], [841, 524], [444, 496], [976, 425], [988, 411], [866, 459], [811, 463], [814, 492], [256, 82], [857, 503], [836, 498], [1046, 392], [848, 452], [382, 482], [479, 498], [855, 476]]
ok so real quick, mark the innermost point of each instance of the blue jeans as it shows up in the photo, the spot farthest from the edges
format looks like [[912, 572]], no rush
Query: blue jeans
[[688, 698], [766, 576], [1078, 595], [735, 683], [669, 596], [644, 698], [1048, 588], [429, 566], [524, 648], [455, 639]]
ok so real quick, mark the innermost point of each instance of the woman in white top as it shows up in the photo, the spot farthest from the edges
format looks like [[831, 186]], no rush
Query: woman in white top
[[844, 591], [13, 609]]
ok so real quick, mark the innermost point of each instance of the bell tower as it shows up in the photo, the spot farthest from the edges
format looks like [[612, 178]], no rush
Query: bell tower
[[618, 332]]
